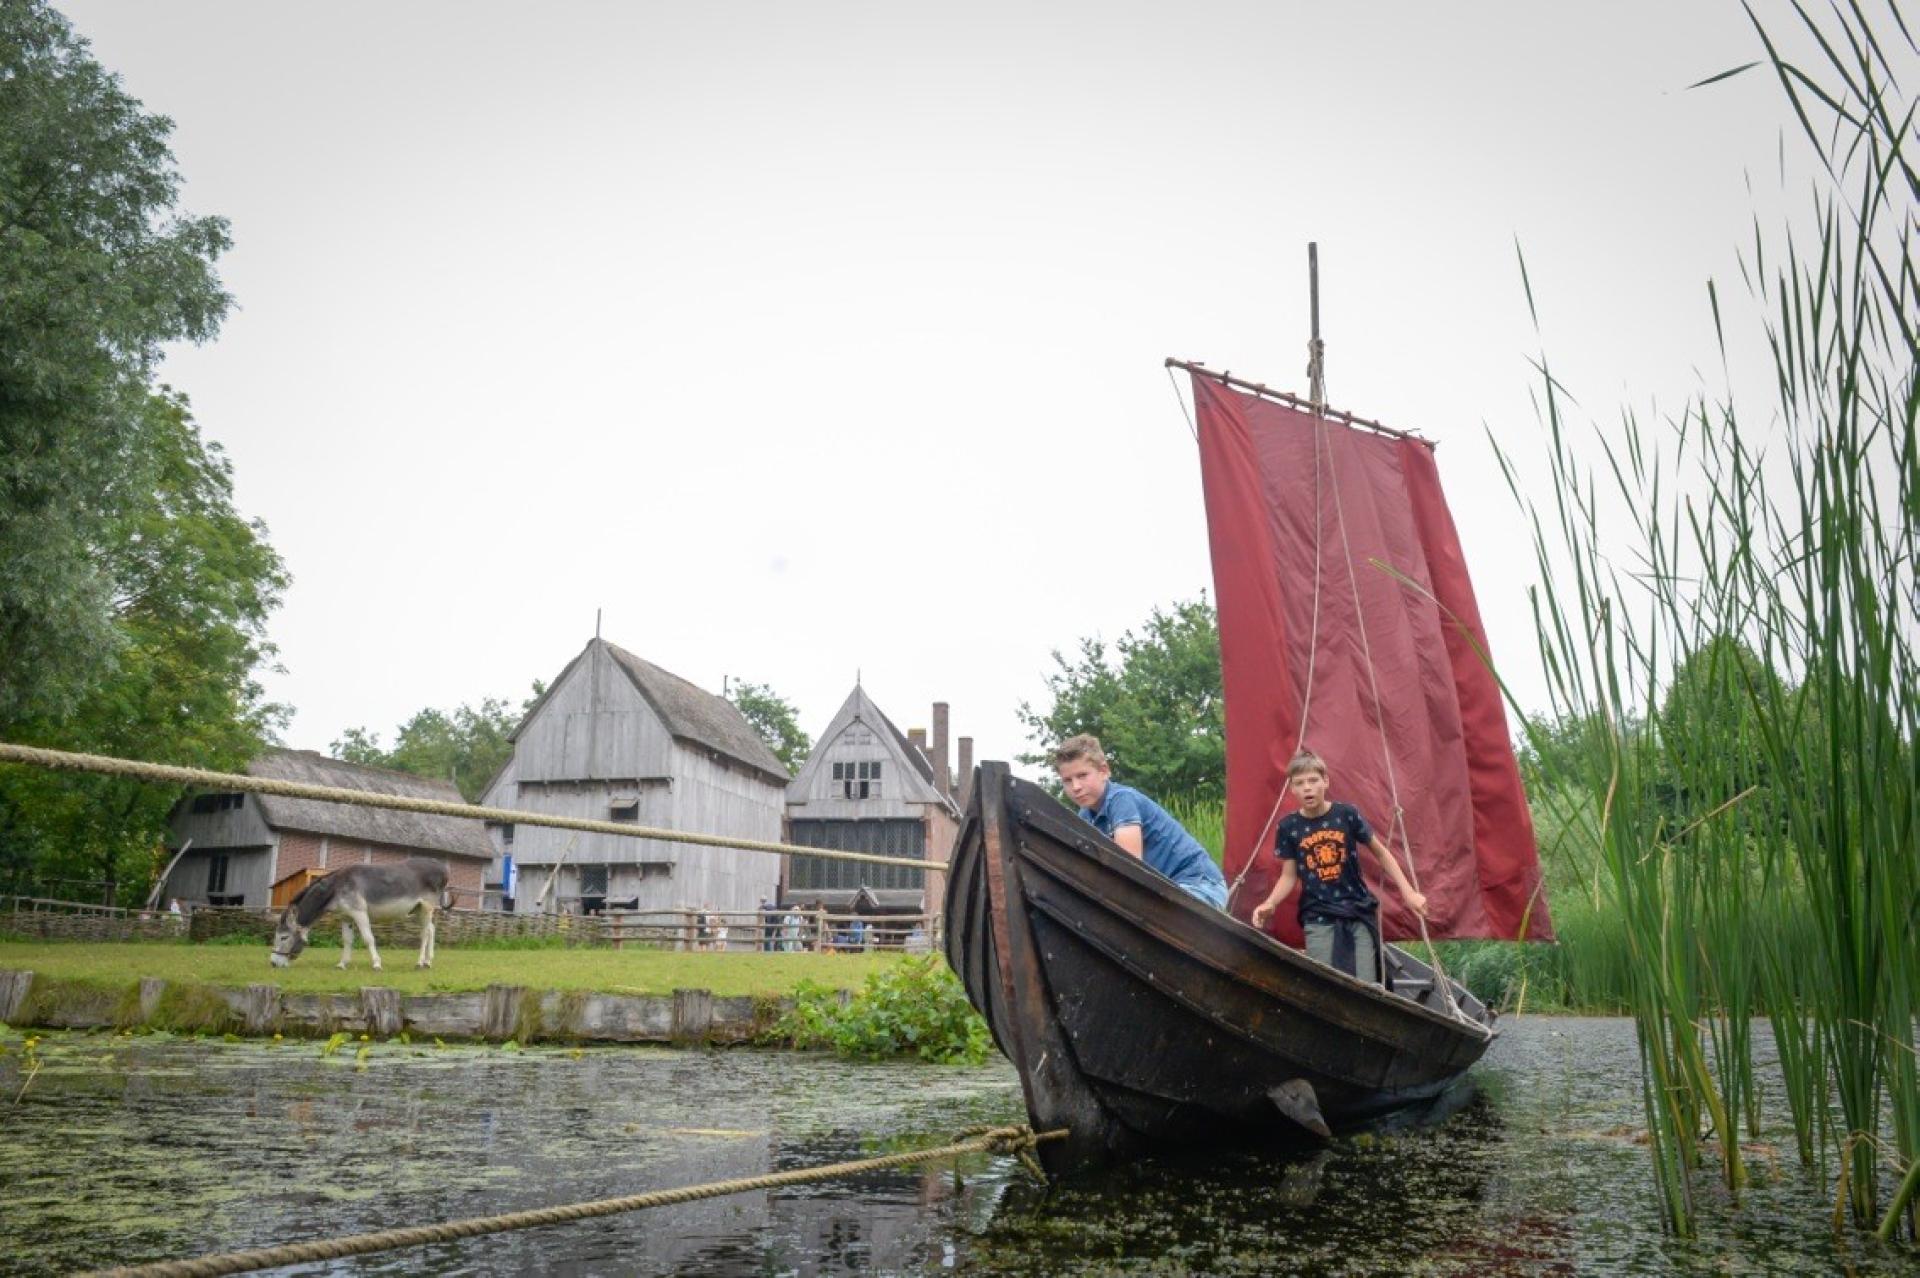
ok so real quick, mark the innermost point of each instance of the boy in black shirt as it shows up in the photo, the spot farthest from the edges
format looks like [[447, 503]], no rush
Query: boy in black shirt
[[1319, 845]]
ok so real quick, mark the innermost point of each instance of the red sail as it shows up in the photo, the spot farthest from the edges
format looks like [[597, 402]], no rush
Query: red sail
[[1403, 707]]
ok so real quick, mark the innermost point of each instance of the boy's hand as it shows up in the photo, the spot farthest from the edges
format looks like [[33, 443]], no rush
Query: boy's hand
[[1261, 913], [1417, 902]]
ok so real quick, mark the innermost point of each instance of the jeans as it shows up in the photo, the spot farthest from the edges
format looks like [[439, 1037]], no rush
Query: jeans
[[1320, 947], [1214, 894]]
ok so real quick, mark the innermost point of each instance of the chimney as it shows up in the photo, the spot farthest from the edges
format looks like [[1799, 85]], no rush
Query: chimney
[[941, 777], [917, 738], [966, 771]]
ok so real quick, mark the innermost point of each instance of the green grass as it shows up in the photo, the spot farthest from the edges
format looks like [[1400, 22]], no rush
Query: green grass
[[623, 971]]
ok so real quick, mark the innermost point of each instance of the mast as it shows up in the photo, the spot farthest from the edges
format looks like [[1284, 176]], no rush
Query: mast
[[1316, 350]]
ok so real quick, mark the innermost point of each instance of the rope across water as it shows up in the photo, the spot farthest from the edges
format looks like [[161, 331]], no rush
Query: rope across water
[[1018, 1141], [171, 774]]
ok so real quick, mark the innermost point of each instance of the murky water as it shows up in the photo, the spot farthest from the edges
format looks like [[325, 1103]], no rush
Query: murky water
[[125, 1150]]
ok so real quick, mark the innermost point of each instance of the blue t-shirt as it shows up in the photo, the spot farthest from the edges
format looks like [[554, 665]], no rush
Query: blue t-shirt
[[1326, 849], [1165, 844]]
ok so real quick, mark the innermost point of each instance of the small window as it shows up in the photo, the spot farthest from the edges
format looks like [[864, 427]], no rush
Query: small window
[[626, 811], [232, 802], [203, 803], [506, 833], [216, 875], [858, 780]]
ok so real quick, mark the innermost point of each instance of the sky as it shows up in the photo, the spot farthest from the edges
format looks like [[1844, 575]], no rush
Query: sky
[[802, 343]]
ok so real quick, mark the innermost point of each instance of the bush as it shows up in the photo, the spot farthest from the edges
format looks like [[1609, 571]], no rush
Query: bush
[[914, 1007]]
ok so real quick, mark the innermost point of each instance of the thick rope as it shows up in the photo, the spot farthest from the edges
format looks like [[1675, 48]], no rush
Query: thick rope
[[1019, 1141], [170, 774]]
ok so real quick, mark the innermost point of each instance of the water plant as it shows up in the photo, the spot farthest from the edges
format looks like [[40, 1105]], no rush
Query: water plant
[[913, 1008], [1728, 611]]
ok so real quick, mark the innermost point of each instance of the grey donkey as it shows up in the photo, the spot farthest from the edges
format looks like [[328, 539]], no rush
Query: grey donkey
[[363, 893]]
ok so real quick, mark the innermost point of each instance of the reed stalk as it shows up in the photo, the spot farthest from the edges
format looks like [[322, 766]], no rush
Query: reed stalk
[[1741, 640]]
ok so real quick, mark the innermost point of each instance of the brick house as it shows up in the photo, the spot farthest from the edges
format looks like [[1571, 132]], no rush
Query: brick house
[[257, 850]]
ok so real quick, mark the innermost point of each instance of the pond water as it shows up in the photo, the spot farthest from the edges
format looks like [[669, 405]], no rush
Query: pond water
[[146, 1148]]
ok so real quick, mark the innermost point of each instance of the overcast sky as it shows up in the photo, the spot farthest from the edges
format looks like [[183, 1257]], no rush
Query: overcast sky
[[808, 339]]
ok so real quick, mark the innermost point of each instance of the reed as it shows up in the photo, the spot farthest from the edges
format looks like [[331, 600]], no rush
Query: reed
[[1740, 643]]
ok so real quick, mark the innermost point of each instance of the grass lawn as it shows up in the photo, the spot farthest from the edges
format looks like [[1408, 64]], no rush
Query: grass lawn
[[624, 971]]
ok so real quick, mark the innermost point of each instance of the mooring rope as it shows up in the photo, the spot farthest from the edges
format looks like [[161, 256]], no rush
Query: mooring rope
[[172, 774], [1018, 1141]]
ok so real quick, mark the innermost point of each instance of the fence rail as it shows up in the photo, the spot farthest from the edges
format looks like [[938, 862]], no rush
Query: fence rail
[[780, 931]]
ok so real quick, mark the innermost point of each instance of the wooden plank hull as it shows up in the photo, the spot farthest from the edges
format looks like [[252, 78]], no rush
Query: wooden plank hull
[[1138, 1016]]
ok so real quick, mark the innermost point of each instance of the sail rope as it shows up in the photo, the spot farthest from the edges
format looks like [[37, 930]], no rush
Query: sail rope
[[171, 774], [1174, 382], [1398, 822], [1018, 1141]]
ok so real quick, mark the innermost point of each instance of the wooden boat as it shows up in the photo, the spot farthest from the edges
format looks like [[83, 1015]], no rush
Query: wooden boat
[[1139, 1017]]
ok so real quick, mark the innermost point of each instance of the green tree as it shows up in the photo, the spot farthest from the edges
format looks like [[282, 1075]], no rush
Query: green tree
[[97, 272], [1154, 701], [191, 584], [775, 718], [466, 745]]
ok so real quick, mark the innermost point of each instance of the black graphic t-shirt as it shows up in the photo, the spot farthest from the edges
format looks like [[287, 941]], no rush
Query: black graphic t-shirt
[[1326, 851]]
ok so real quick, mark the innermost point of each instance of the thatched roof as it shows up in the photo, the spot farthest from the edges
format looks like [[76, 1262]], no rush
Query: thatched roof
[[691, 713], [458, 836]]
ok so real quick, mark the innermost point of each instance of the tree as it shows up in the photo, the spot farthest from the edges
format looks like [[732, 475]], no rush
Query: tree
[[190, 586], [1155, 703], [96, 273], [774, 718], [466, 745]]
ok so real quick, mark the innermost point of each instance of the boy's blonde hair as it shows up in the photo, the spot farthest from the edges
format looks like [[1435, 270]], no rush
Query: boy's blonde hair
[[1306, 761], [1084, 746]]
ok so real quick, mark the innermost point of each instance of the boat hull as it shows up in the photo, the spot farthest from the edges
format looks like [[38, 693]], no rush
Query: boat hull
[[1138, 1016]]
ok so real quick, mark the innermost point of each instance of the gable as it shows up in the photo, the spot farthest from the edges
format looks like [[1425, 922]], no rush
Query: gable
[[611, 714], [861, 735]]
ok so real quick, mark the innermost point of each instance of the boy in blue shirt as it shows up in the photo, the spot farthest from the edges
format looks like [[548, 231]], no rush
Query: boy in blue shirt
[[1319, 845], [1141, 827]]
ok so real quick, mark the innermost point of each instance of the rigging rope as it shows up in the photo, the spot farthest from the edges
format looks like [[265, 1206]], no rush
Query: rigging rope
[[1386, 754], [1018, 1141], [1175, 383], [171, 774]]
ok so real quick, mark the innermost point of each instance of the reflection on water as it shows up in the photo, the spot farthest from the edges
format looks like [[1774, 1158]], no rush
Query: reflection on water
[[139, 1149]]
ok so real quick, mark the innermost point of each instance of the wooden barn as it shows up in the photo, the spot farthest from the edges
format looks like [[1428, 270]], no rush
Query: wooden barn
[[868, 788], [616, 738], [258, 850]]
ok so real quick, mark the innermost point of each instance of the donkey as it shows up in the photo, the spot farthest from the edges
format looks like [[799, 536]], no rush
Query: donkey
[[362, 893]]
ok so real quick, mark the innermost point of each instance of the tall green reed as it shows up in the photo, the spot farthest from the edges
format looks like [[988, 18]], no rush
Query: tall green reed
[[1746, 655]]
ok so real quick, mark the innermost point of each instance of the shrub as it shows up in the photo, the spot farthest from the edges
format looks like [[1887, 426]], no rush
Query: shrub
[[914, 1007]]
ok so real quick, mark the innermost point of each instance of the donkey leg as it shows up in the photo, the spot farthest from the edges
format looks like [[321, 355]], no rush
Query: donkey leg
[[346, 943], [361, 921], [426, 936]]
